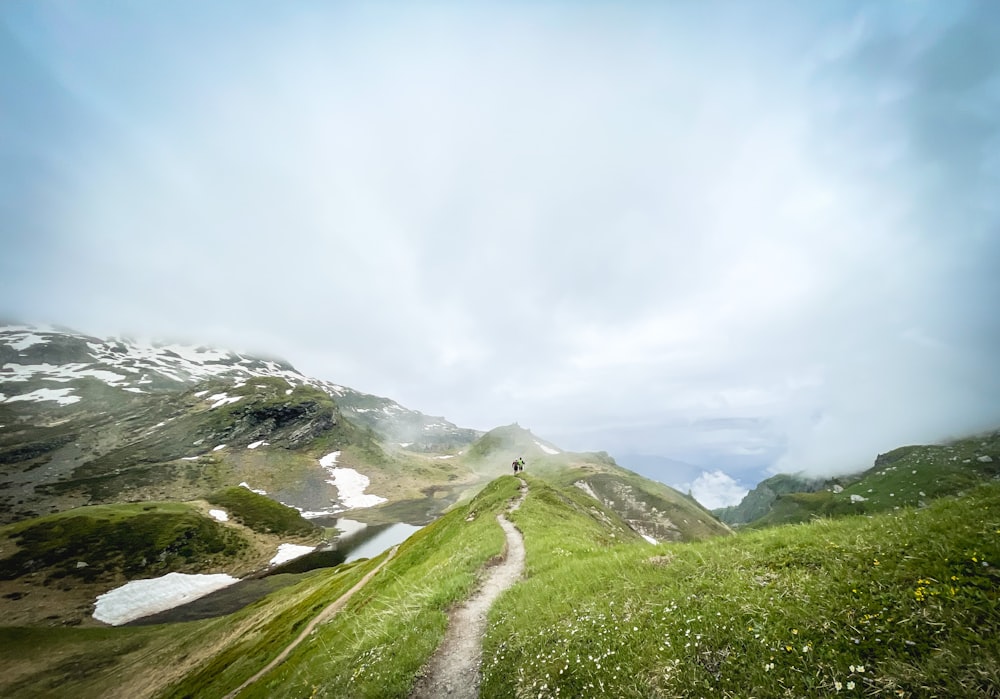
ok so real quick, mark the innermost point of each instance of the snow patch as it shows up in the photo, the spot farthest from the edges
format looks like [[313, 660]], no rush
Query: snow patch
[[60, 395], [220, 515], [261, 443], [546, 449], [24, 340], [287, 552], [350, 484], [141, 598], [190, 458], [221, 399], [221, 446], [246, 485], [650, 539], [62, 373]]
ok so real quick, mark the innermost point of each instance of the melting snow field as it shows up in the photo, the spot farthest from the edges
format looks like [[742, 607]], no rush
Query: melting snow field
[[547, 450], [287, 552], [221, 399], [141, 598], [350, 484], [220, 515], [60, 395]]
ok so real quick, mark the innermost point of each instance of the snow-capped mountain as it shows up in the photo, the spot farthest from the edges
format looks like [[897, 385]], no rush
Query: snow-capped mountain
[[85, 420], [46, 364]]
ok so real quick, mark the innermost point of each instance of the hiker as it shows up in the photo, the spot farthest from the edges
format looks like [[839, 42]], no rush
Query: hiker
[[514, 464], [520, 464]]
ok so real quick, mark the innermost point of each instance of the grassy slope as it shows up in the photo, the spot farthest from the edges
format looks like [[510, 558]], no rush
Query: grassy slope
[[147, 539], [400, 615], [142, 661], [911, 475], [387, 633], [42, 579], [909, 599], [902, 603]]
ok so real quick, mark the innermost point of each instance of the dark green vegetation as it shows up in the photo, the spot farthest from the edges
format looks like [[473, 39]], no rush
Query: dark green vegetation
[[106, 542], [911, 475], [260, 513]]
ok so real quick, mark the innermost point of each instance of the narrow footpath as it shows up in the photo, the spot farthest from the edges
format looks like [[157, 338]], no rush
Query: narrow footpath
[[328, 611], [454, 669]]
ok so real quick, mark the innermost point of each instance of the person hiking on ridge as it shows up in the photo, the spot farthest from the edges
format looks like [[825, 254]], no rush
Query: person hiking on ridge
[[514, 464]]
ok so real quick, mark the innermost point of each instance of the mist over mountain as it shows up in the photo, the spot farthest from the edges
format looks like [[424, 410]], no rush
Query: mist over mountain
[[637, 228]]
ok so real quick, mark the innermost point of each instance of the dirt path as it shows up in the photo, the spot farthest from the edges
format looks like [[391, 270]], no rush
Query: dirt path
[[453, 670], [327, 612]]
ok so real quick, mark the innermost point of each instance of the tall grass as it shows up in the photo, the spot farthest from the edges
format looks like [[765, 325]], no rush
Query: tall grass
[[900, 604]]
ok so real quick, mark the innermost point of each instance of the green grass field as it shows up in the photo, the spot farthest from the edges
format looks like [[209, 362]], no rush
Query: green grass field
[[898, 604]]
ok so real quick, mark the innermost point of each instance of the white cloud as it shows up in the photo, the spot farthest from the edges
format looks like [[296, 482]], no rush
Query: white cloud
[[715, 489], [636, 228]]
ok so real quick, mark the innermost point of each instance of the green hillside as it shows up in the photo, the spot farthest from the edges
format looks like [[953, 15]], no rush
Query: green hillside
[[900, 603], [759, 501], [649, 508], [907, 476]]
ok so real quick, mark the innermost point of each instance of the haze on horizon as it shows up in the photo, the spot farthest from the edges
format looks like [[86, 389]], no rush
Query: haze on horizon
[[749, 237]]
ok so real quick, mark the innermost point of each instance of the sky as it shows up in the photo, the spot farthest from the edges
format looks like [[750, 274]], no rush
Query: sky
[[718, 240]]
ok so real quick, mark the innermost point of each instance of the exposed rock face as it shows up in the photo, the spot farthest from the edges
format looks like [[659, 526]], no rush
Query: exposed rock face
[[648, 514], [287, 424]]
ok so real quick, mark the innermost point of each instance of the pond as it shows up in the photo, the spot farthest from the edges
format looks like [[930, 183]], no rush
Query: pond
[[359, 542]]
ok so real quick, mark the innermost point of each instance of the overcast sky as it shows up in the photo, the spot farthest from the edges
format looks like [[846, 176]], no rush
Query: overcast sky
[[753, 237]]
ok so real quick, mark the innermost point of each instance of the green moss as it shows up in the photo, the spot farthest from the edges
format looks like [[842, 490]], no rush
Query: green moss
[[260, 513], [113, 540]]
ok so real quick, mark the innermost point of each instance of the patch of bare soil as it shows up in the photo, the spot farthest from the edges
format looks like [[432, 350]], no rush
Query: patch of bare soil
[[454, 669]]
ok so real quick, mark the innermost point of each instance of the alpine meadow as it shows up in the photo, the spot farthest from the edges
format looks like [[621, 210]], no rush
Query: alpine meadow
[[628, 588], [499, 350]]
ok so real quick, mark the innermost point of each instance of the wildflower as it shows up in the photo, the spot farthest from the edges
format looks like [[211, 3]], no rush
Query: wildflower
[[850, 685], [859, 668], [838, 686], [806, 649], [768, 667]]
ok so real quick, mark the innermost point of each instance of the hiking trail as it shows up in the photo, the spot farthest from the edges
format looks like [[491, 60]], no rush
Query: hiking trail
[[328, 611], [453, 670]]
